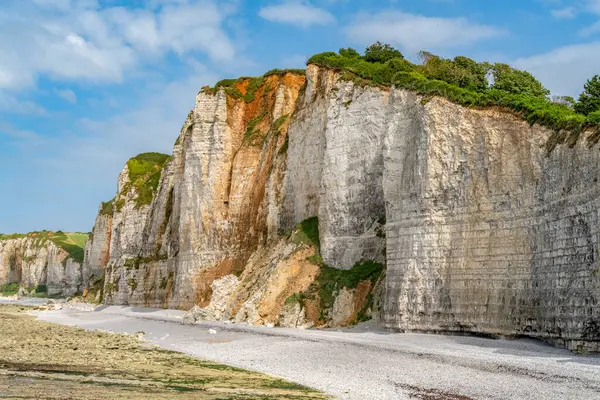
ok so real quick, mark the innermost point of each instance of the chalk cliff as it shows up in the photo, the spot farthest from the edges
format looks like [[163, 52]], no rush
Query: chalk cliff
[[46, 262], [479, 227]]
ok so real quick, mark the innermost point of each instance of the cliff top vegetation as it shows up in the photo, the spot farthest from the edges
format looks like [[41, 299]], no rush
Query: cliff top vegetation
[[248, 84], [468, 83], [144, 176], [107, 207], [72, 243]]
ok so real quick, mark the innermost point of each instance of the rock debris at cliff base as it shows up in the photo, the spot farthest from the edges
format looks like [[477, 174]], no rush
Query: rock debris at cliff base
[[366, 362], [480, 227]]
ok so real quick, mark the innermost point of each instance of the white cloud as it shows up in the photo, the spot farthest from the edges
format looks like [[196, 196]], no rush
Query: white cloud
[[96, 152], [590, 30], [11, 104], [79, 40], [416, 32], [297, 13], [564, 70], [12, 132], [594, 6], [564, 13], [68, 95]]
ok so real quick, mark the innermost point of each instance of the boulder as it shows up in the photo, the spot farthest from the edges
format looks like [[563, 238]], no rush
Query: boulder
[[196, 314]]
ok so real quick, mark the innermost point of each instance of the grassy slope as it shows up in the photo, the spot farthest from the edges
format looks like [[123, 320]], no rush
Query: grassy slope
[[72, 243], [251, 84], [331, 280], [145, 171]]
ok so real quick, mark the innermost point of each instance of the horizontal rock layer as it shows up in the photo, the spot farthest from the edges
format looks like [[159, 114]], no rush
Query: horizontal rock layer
[[34, 263], [481, 230]]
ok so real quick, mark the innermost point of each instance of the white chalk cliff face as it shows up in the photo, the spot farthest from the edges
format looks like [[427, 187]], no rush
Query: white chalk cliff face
[[480, 229], [33, 263]]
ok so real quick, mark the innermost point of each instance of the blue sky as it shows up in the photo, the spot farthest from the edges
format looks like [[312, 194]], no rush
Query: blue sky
[[87, 84]]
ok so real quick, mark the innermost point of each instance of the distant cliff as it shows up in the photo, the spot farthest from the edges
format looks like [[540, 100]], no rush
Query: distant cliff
[[323, 199], [43, 263]]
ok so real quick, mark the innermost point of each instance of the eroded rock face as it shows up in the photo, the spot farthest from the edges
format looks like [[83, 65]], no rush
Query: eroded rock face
[[481, 230], [216, 202], [335, 167], [33, 263], [486, 232], [97, 248]]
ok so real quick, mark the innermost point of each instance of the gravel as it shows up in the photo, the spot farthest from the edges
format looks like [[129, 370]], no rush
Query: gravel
[[365, 363]]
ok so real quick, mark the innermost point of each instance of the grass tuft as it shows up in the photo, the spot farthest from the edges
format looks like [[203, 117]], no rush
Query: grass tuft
[[145, 171], [308, 231], [282, 72], [107, 207], [333, 280], [9, 289]]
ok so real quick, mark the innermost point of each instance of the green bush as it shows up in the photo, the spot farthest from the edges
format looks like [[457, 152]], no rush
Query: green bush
[[296, 298], [107, 207], [9, 289], [589, 101], [331, 280], [349, 53], [462, 72], [309, 230], [463, 81], [381, 53], [281, 72], [41, 289], [252, 133], [399, 65], [593, 118], [12, 236], [515, 81]]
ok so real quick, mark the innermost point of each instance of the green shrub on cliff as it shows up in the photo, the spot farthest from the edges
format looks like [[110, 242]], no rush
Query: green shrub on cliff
[[107, 207], [379, 53], [11, 236], [589, 101], [465, 82], [308, 231], [462, 72], [514, 81], [9, 289], [281, 72], [230, 86], [331, 280], [144, 176]]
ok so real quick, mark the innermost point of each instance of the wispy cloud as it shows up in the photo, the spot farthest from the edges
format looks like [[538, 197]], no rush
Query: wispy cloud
[[301, 14], [417, 32], [564, 70], [90, 152], [79, 40], [590, 30], [564, 13], [68, 95], [594, 6], [12, 104]]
